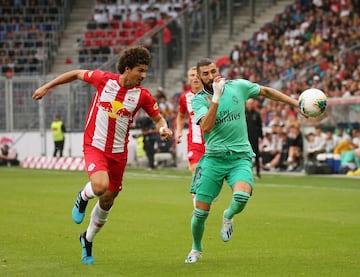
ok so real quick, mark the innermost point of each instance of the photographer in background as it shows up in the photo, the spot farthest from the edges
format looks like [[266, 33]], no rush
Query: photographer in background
[[150, 134], [6, 158]]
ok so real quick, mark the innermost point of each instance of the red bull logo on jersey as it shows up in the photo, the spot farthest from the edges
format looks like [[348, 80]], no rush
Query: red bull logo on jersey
[[114, 109]]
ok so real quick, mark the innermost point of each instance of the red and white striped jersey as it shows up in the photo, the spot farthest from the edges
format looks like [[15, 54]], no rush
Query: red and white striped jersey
[[195, 136], [112, 111]]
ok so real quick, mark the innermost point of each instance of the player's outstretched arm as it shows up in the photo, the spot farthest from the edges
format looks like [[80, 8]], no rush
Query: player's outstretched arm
[[64, 78], [277, 96], [162, 127], [180, 123]]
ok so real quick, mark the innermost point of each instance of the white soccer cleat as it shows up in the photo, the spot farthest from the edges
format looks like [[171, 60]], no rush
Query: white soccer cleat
[[193, 256], [227, 229]]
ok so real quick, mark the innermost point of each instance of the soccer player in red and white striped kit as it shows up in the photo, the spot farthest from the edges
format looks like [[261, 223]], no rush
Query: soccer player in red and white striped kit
[[195, 136], [117, 99]]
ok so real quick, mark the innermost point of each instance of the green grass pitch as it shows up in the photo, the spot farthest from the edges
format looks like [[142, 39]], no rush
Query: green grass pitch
[[292, 226]]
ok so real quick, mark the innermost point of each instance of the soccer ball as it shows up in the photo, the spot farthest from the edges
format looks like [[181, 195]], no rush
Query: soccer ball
[[312, 102]]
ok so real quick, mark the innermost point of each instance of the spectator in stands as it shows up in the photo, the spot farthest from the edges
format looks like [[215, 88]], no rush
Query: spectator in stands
[[316, 82], [271, 146], [41, 55], [290, 118], [330, 141], [355, 133], [280, 155], [341, 134], [343, 146], [117, 100], [169, 37], [101, 18], [235, 55], [92, 23], [196, 14], [350, 162], [295, 144], [262, 35], [314, 146], [347, 142], [320, 135], [166, 107]]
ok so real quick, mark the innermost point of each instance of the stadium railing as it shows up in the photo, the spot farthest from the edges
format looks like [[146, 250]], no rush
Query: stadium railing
[[19, 112]]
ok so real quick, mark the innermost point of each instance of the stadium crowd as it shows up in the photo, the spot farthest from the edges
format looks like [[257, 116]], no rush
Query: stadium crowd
[[29, 32], [310, 44], [117, 24]]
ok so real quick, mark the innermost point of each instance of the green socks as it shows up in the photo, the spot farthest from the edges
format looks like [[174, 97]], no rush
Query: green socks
[[197, 227], [237, 204]]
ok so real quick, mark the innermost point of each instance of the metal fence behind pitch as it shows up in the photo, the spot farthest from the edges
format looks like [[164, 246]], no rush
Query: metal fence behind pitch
[[18, 112]]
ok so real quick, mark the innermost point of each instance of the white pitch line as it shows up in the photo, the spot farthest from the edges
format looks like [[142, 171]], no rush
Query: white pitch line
[[147, 175], [308, 187], [166, 176]]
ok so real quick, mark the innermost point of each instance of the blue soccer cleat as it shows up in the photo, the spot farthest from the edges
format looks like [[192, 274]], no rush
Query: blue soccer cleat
[[78, 212], [86, 253]]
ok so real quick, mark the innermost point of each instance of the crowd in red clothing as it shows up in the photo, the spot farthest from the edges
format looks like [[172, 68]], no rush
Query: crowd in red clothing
[[113, 26]]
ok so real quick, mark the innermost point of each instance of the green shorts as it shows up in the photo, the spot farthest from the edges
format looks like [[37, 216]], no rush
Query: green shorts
[[212, 171]]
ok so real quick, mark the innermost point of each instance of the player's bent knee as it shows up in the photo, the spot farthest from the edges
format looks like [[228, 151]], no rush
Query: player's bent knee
[[99, 188], [200, 215], [99, 182]]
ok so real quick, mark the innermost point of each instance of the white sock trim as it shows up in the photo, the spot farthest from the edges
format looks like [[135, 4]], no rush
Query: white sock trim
[[87, 193], [97, 221]]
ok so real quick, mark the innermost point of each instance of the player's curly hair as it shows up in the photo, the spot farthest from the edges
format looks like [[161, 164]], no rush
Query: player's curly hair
[[134, 56]]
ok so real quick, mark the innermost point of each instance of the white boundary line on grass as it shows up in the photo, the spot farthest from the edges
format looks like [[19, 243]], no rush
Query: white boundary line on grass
[[148, 175], [307, 187], [167, 176]]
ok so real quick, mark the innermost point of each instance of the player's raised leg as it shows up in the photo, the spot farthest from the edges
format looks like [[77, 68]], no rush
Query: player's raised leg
[[78, 211], [86, 253], [237, 204]]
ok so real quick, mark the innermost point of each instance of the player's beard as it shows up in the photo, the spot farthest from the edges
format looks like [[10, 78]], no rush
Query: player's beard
[[208, 87]]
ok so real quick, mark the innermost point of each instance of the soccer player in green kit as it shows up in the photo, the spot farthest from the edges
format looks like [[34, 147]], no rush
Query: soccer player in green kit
[[220, 111]]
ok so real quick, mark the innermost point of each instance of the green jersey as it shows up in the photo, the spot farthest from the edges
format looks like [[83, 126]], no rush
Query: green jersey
[[229, 134]]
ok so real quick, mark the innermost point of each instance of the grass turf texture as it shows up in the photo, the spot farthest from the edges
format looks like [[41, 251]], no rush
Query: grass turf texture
[[292, 226]]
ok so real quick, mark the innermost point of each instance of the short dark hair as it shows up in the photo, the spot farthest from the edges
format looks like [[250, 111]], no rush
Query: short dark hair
[[134, 56], [203, 62]]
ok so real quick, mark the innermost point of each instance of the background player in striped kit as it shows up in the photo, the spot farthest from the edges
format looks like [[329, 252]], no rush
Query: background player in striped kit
[[195, 136]]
